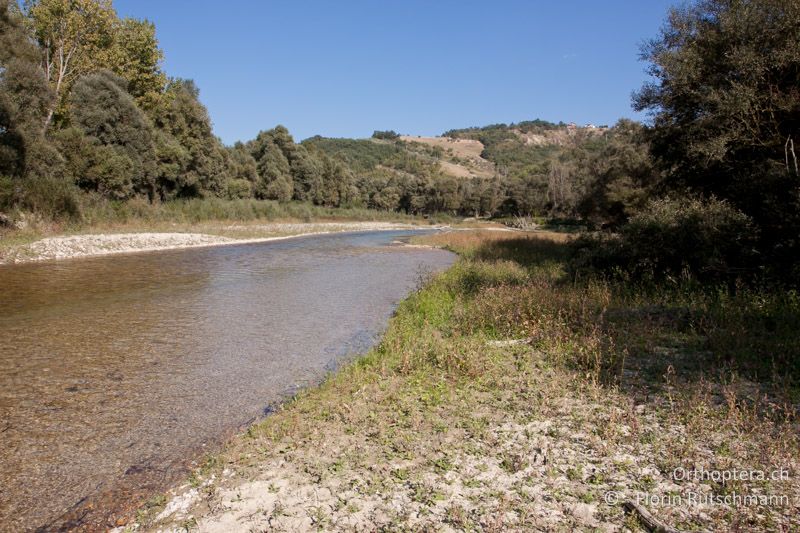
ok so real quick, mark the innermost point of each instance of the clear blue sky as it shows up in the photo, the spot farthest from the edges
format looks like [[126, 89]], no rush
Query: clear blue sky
[[342, 68]]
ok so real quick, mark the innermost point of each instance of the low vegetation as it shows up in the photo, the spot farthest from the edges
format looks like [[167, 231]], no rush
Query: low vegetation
[[544, 372], [682, 238], [245, 218], [508, 395]]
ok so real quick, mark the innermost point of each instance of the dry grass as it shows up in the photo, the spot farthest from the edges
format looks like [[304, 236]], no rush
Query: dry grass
[[448, 426], [458, 171], [467, 148], [484, 244], [462, 158]]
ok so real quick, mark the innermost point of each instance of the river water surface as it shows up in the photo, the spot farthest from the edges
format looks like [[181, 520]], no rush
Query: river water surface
[[117, 372]]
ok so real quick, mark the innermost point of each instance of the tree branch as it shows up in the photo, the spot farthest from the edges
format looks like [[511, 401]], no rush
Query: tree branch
[[650, 522]]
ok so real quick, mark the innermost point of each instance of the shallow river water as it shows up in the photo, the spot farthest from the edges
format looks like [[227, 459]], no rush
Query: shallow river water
[[117, 372]]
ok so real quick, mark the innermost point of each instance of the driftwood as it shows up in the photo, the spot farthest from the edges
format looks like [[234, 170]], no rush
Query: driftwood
[[510, 342], [650, 522], [789, 147]]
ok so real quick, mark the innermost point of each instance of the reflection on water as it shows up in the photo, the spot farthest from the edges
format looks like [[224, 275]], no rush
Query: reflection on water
[[116, 371]]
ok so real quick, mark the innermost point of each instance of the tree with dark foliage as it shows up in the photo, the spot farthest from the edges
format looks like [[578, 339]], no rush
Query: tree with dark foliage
[[726, 111]]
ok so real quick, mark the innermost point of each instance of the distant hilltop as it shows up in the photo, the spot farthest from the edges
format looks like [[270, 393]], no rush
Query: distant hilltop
[[462, 153], [532, 132]]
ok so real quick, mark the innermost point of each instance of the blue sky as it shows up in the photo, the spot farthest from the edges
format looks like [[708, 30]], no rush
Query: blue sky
[[342, 68]]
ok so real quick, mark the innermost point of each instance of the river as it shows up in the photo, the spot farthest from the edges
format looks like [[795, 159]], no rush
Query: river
[[118, 372]]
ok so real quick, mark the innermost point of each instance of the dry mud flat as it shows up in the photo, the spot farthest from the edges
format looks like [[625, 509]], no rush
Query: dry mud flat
[[67, 247], [550, 471]]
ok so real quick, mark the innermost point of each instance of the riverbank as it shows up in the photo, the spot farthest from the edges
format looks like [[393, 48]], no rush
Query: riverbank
[[121, 371], [504, 397], [201, 235], [198, 223], [213, 218]]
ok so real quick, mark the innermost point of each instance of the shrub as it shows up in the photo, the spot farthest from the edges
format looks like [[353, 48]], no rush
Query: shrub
[[704, 239], [7, 192], [389, 135], [111, 171], [478, 275], [51, 198], [239, 189]]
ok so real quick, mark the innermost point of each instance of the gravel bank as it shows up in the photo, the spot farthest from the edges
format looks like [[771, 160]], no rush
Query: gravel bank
[[68, 247]]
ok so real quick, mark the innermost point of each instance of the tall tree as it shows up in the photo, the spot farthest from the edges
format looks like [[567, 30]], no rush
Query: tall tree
[[307, 176], [620, 176], [243, 172], [171, 161], [185, 118], [107, 114], [276, 178], [24, 95], [274, 172], [336, 186], [74, 35], [726, 107], [136, 56]]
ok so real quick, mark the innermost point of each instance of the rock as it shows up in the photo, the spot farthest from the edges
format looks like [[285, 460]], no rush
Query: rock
[[584, 513]]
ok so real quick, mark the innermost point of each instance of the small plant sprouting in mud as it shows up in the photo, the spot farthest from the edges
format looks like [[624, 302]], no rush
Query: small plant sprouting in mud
[[514, 462]]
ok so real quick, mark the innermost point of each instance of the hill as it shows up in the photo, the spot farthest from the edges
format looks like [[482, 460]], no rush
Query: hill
[[460, 158], [528, 168]]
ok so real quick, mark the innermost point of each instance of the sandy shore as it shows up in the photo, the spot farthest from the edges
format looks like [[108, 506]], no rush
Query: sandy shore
[[74, 246]]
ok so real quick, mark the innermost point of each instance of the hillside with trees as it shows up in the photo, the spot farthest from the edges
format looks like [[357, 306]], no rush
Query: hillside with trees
[[638, 327], [88, 117]]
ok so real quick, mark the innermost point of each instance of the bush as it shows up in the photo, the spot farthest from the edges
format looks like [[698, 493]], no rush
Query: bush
[[118, 131], [703, 239], [7, 192], [477, 275], [50, 198], [389, 135], [239, 189]]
